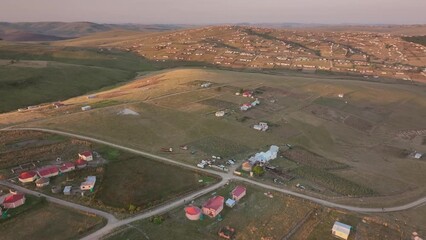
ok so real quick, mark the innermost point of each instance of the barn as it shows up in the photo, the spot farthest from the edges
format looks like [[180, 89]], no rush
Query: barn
[[14, 200], [28, 176]]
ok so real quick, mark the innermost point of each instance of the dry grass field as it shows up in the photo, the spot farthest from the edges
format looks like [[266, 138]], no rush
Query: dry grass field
[[355, 131], [48, 221]]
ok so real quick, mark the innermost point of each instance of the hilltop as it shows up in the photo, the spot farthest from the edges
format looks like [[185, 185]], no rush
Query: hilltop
[[50, 31]]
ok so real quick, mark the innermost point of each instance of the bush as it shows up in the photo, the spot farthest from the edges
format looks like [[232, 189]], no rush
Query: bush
[[258, 170]]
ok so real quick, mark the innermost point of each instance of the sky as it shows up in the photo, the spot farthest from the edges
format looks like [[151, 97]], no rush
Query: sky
[[216, 11]]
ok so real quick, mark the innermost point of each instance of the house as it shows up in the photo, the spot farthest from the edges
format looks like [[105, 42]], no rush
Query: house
[[262, 126], [245, 107], [58, 104], [213, 206], [238, 193], [86, 155], [67, 190], [49, 171], [418, 155], [41, 182], [220, 114], [248, 94], [206, 85], [29, 176], [230, 203], [341, 95], [14, 200], [263, 157], [67, 167], [341, 230], [80, 163], [86, 108], [89, 183]]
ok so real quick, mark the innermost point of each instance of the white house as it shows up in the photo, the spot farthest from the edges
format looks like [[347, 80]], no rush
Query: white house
[[89, 183], [220, 114], [262, 126], [341, 230]]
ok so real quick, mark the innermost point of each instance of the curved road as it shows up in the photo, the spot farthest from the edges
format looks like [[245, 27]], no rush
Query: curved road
[[114, 223]]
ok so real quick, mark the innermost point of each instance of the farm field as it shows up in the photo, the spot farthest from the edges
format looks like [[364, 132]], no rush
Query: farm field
[[32, 74], [356, 140], [126, 183], [257, 216], [43, 220]]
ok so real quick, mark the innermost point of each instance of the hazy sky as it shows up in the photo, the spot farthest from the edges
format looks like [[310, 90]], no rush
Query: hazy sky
[[216, 11]]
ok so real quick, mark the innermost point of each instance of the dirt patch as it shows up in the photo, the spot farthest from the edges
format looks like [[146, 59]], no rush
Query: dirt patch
[[305, 157], [213, 145], [220, 104], [358, 123]]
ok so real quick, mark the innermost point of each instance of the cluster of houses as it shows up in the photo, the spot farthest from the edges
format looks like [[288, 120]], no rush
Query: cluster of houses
[[41, 176], [247, 106], [213, 206]]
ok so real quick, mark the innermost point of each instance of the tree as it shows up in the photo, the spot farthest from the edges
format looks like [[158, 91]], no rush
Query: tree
[[258, 170]]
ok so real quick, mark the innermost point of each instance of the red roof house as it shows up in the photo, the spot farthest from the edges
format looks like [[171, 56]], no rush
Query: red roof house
[[48, 171], [86, 155], [13, 200], [213, 206], [67, 167], [238, 193], [80, 163], [28, 176]]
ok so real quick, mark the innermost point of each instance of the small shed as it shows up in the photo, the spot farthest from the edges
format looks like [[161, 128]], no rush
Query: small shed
[[41, 182], [341, 230], [67, 190], [230, 203]]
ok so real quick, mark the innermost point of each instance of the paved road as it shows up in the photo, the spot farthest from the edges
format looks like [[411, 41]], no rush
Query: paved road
[[114, 223]]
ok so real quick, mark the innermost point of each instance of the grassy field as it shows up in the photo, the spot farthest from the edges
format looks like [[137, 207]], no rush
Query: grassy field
[[31, 74], [42, 220], [353, 132], [138, 181]]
